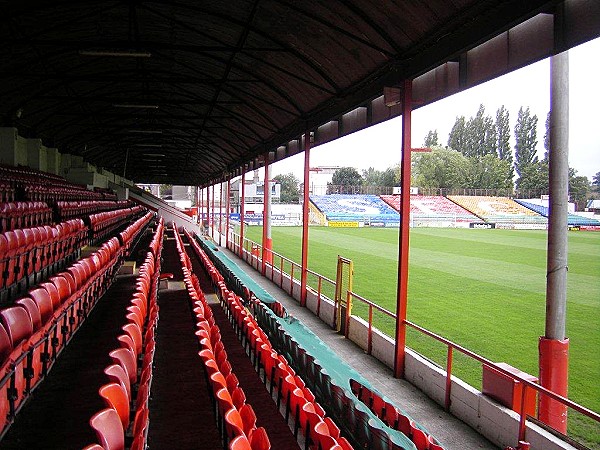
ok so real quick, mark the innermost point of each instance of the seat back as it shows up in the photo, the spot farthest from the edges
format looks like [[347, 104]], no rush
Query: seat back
[[33, 311], [109, 430], [5, 345], [126, 359], [135, 334], [115, 396], [54, 294], [41, 297], [17, 323], [260, 440], [117, 374]]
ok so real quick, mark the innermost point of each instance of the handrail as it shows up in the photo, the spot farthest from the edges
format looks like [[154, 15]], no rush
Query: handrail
[[451, 346], [454, 346]]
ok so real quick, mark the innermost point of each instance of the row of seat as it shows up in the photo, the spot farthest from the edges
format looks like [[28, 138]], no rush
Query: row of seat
[[125, 419], [354, 417], [236, 417], [29, 251], [24, 215], [356, 420], [34, 331], [394, 418], [74, 209], [308, 416], [7, 192], [35, 185], [105, 223]]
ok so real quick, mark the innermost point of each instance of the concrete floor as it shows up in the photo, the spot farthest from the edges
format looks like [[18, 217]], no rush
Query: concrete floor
[[450, 431]]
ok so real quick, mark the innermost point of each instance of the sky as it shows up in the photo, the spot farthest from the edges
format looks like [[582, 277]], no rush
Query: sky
[[379, 146]]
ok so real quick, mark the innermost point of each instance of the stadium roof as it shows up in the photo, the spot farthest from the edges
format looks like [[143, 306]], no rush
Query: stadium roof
[[188, 92]]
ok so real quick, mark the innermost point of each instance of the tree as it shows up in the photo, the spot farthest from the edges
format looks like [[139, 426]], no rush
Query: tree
[[488, 172], [534, 177], [504, 150], [457, 139], [431, 139], [525, 140], [547, 137], [389, 177], [480, 133], [579, 187], [596, 183], [290, 192], [372, 177], [441, 168], [503, 139], [346, 176]]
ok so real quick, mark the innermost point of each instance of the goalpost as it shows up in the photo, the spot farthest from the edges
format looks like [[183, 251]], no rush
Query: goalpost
[[343, 285]]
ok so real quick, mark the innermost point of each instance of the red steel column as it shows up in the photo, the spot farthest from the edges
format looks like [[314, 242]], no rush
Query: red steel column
[[305, 217], [227, 207], [220, 211], [554, 346], [267, 241], [403, 242], [242, 206], [197, 201], [207, 209], [212, 194]]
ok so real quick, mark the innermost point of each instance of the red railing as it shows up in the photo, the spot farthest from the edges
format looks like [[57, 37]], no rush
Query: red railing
[[251, 257], [451, 346], [252, 254]]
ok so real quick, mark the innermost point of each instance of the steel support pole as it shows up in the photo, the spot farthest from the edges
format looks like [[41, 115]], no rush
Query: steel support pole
[[220, 211], [242, 206], [212, 208], [403, 241], [554, 346], [207, 209], [305, 218], [267, 241], [197, 201], [227, 207]]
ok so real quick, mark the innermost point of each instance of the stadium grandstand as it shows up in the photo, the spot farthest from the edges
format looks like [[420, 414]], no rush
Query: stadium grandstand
[[126, 324], [500, 210], [342, 209], [574, 220], [432, 210]]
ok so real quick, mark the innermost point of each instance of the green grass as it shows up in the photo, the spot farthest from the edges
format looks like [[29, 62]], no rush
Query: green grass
[[483, 289]]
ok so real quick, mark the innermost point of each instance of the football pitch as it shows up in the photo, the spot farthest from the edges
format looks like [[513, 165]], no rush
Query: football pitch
[[482, 289]]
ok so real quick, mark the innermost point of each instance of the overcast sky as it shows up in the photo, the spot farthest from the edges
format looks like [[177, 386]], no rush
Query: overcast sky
[[379, 145]]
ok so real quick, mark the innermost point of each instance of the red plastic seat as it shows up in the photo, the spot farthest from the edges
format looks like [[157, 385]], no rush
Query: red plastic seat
[[260, 440], [239, 398], [40, 347], [109, 430], [248, 418], [115, 396], [233, 423], [117, 374], [240, 443], [134, 332], [322, 437], [126, 359], [140, 426], [6, 367], [224, 401], [419, 437], [434, 444]]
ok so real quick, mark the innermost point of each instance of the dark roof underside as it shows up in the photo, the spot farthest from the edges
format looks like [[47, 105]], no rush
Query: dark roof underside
[[213, 85]]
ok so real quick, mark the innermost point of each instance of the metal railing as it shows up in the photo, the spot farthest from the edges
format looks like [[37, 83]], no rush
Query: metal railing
[[254, 257], [321, 285], [451, 346]]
